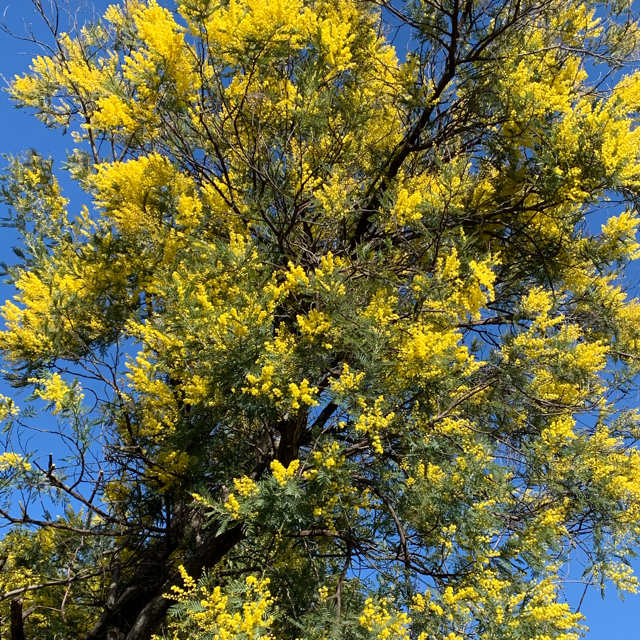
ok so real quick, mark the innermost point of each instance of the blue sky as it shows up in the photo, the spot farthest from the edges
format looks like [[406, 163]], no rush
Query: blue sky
[[609, 619]]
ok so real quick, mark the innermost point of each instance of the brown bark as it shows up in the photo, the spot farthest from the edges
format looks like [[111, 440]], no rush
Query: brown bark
[[17, 620]]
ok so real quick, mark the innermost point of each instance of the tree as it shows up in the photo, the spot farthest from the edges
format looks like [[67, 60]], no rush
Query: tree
[[338, 350]]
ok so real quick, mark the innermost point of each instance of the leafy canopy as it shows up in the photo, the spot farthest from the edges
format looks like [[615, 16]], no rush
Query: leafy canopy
[[341, 347]]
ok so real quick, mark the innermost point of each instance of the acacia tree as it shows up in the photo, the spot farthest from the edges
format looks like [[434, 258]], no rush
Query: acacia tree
[[338, 351]]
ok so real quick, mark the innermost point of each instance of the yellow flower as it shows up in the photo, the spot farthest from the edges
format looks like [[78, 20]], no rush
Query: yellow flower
[[283, 475], [10, 460]]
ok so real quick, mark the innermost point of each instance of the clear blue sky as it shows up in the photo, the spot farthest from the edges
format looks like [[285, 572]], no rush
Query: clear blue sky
[[610, 619]]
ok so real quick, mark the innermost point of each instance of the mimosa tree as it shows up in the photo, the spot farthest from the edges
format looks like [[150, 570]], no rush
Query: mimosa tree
[[343, 346]]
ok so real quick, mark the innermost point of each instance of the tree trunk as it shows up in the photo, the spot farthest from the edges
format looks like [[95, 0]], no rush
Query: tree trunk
[[17, 621], [141, 607]]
